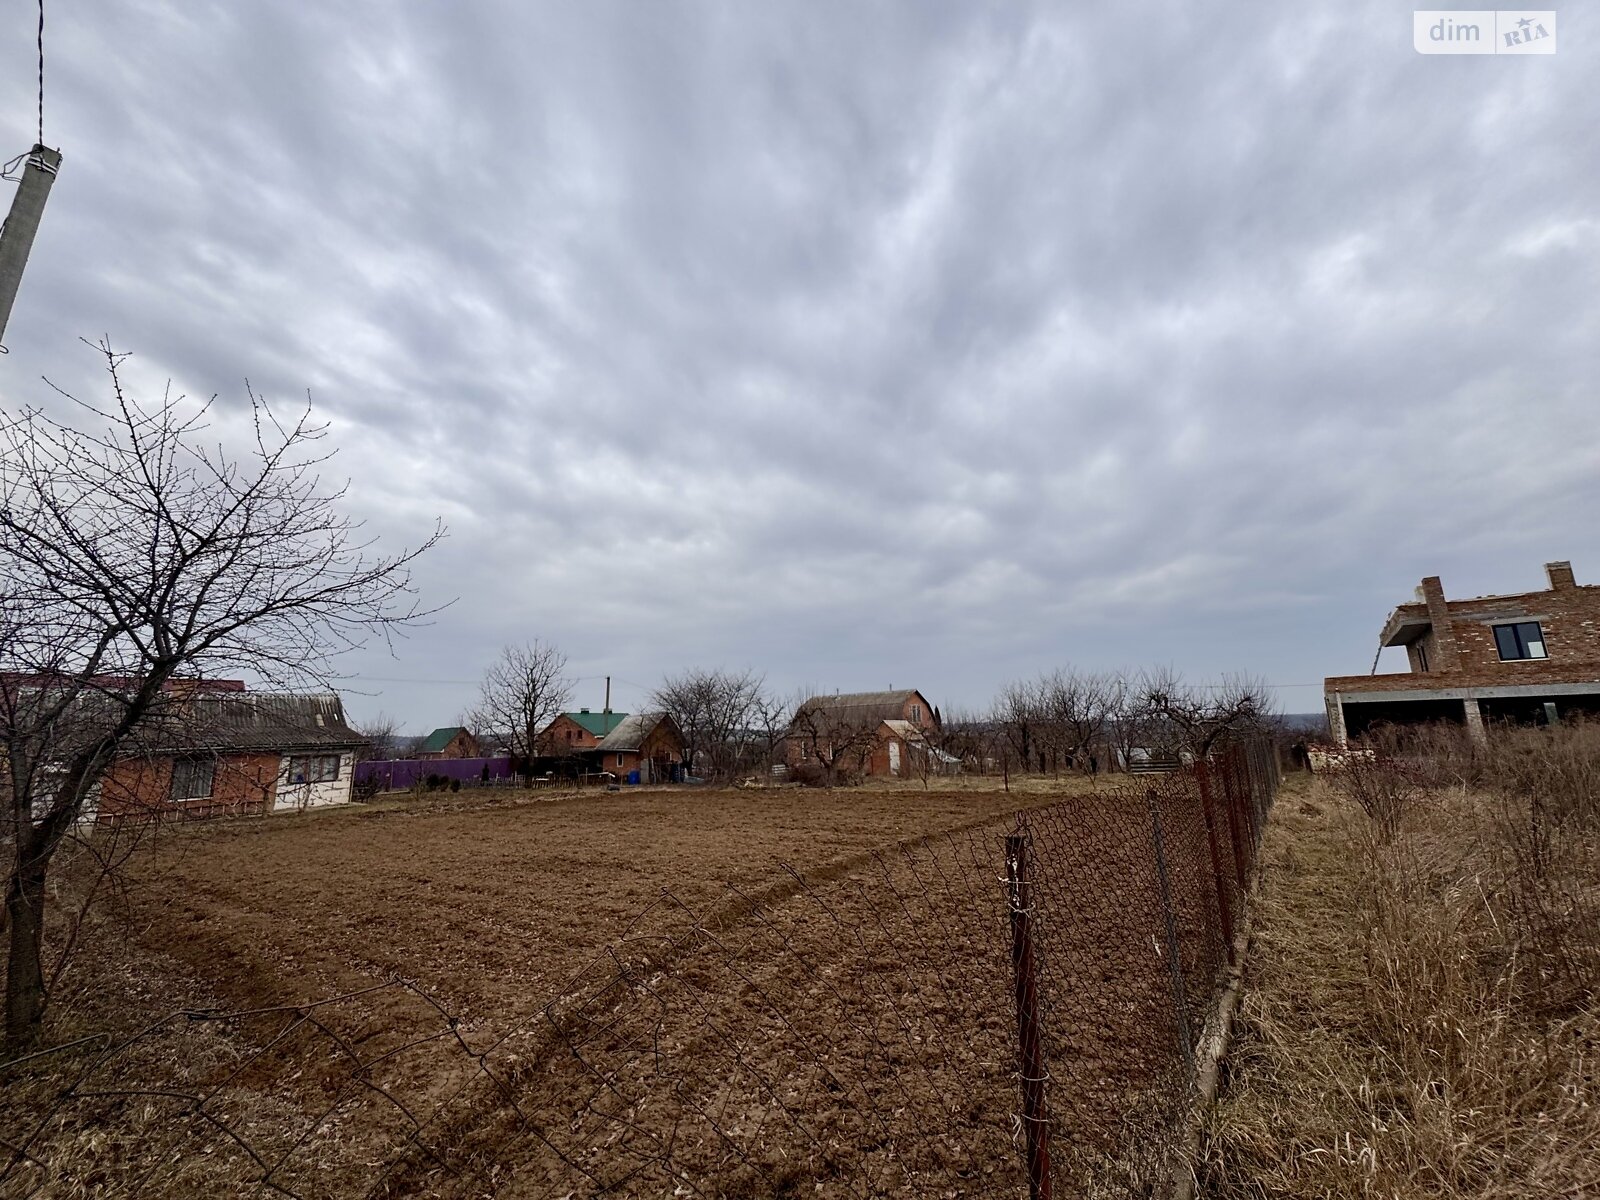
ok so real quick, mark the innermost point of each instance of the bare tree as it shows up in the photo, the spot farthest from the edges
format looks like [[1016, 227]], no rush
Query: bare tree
[[1198, 718], [134, 550], [721, 715], [1076, 708], [522, 692], [932, 752], [971, 739], [768, 727], [832, 738], [383, 738], [1019, 711]]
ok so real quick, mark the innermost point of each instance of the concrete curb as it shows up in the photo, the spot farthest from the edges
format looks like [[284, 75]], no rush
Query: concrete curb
[[1208, 1072]]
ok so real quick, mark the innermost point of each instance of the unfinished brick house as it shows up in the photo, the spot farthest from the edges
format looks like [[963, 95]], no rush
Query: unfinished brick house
[[873, 733], [1528, 657], [233, 752]]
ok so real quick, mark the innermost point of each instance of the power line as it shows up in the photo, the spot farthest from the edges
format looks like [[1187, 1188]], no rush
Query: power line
[[644, 687], [474, 682], [41, 72]]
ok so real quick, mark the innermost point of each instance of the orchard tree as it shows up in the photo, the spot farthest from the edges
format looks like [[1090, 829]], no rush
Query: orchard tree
[[1200, 718], [1076, 708], [1019, 711], [834, 739], [136, 552]]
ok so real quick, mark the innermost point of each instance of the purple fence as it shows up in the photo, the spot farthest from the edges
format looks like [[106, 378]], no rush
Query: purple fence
[[398, 774]]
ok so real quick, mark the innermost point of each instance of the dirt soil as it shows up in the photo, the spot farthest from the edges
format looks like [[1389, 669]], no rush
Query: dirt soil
[[489, 905], [654, 992]]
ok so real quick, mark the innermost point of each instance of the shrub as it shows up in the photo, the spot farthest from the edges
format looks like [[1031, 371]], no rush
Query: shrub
[[814, 774], [1383, 786]]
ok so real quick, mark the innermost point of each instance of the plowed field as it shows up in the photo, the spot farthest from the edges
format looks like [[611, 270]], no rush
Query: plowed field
[[720, 993]]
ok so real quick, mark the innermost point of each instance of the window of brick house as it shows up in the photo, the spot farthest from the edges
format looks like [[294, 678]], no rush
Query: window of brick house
[[192, 778], [1422, 656], [1523, 640], [314, 768], [916, 712]]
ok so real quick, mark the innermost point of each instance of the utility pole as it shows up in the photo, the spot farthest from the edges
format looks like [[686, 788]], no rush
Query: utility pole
[[16, 237]]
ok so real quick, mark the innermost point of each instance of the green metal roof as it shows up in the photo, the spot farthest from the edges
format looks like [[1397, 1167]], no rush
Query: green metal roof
[[439, 739], [598, 724]]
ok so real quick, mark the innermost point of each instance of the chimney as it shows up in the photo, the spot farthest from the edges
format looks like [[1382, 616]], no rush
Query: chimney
[[1560, 576], [608, 693], [1444, 636]]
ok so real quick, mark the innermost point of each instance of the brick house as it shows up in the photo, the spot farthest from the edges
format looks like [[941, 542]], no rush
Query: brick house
[[650, 743], [234, 753], [1529, 657], [876, 733], [451, 741], [575, 732]]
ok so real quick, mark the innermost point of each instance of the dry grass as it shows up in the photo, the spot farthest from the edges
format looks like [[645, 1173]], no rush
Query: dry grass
[[1422, 1015]]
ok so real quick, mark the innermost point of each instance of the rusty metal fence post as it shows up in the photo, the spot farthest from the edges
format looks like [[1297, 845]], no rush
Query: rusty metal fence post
[[1035, 1117], [1169, 919]]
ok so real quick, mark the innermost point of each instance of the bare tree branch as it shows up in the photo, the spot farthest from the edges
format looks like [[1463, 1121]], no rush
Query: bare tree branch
[[521, 693], [133, 552]]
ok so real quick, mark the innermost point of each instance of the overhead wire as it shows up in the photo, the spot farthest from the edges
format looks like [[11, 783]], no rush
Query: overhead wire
[[41, 72]]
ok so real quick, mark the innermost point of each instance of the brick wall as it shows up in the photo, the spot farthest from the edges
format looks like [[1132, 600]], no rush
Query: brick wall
[[1569, 618], [555, 740], [918, 711], [1405, 681], [1423, 653], [1460, 648], [242, 783], [878, 761]]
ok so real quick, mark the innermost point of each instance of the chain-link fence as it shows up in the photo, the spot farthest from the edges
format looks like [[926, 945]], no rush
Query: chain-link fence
[[933, 1019], [1125, 912]]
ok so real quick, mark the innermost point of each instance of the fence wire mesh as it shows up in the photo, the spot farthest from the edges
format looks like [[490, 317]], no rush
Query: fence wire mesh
[[1133, 904], [851, 1033]]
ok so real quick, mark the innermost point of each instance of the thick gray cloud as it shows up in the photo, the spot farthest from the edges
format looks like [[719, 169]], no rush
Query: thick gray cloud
[[863, 344]]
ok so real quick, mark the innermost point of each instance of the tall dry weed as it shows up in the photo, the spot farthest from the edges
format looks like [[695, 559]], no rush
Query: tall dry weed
[[1544, 839], [1422, 1016], [1383, 785]]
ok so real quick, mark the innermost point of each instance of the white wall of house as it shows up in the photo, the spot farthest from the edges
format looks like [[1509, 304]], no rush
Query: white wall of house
[[297, 797]]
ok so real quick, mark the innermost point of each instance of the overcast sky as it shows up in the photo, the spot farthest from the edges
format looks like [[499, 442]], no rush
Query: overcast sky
[[863, 344]]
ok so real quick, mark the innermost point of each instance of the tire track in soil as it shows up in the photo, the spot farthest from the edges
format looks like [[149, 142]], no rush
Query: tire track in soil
[[547, 1070]]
